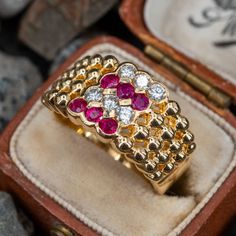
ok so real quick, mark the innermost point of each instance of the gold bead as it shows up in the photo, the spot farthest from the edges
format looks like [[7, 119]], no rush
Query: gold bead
[[169, 167], [65, 75], [96, 62], [148, 167], [61, 100], [154, 144], [51, 96], [81, 73], [71, 73], [167, 133], [154, 176], [60, 230], [140, 156], [45, 100], [141, 132], [85, 61], [65, 83], [182, 123], [172, 108], [163, 157], [180, 157], [188, 137], [156, 121], [175, 146], [78, 64], [110, 63], [188, 148], [123, 144], [76, 88], [92, 77]]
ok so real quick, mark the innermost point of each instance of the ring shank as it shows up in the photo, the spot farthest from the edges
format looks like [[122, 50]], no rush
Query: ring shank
[[156, 142], [160, 187]]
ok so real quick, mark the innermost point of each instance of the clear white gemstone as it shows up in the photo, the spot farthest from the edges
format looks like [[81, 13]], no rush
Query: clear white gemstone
[[125, 114], [157, 92], [93, 95], [127, 70], [110, 102], [142, 80]]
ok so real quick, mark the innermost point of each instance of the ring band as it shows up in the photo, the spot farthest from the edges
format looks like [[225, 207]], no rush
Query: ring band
[[129, 113]]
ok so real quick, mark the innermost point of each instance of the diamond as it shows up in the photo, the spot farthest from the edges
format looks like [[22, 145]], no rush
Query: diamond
[[110, 102], [125, 90], [108, 126], [77, 105], [142, 80], [93, 94], [127, 71], [140, 102], [125, 114], [157, 92], [110, 81], [94, 114]]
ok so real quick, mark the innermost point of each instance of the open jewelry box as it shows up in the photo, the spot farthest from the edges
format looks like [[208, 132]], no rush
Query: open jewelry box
[[70, 186]]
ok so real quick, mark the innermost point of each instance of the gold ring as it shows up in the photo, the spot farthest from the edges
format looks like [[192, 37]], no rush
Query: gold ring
[[128, 113]]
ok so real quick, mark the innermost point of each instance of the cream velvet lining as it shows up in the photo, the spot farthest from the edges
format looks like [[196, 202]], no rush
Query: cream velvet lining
[[168, 20], [104, 194]]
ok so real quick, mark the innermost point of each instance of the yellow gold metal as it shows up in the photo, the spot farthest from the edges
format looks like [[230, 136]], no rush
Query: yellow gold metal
[[155, 142], [60, 230], [127, 131]]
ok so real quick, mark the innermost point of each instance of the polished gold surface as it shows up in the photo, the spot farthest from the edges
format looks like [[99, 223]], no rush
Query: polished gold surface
[[155, 141], [60, 230]]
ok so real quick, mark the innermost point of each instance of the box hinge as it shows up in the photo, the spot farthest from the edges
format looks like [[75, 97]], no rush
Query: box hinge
[[215, 95]]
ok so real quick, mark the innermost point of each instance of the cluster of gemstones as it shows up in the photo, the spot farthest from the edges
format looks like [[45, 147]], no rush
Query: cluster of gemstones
[[129, 107], [118, 99]]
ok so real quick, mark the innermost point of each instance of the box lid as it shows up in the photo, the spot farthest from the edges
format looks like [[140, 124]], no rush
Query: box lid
[[189, 46]]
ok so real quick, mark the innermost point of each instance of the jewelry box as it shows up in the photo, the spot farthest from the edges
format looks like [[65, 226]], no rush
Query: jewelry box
[[71, 187]]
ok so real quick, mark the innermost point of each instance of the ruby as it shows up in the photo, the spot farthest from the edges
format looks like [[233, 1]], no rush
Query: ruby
[[140, 102], [94, 114], [125, 90], [108, 126], [110, 81], [77, 105]]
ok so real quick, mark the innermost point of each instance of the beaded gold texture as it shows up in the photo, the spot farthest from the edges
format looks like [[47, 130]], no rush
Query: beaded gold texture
[[127, 111]]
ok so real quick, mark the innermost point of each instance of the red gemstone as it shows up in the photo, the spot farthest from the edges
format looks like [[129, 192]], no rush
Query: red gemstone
[[77, 105], [110, 81], [94, 114], [108, 126], [125, 90], [140, 102]]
